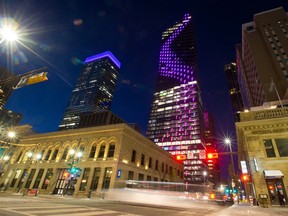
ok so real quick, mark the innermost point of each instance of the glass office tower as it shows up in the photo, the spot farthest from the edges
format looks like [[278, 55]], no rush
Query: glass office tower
[[176, 121], [94, 89]]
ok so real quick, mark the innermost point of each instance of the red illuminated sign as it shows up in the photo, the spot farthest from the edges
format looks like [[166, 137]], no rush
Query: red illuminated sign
[[180, 157], [212, 155]]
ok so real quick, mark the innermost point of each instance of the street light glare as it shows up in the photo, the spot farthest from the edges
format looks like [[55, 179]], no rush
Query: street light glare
[[227, 141], [72, 151], [79, 154], [8, 33], [11, 134]]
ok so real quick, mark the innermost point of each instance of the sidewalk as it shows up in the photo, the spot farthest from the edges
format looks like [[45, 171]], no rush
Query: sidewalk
[[274, 210]]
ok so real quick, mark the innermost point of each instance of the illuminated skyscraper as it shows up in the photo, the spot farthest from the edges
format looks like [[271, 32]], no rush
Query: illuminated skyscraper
[[234, 90], [176, 121], [94, 89]]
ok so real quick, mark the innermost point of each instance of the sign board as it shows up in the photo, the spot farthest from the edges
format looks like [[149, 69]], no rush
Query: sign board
[[119, 173], [263, 196], [243, 167]]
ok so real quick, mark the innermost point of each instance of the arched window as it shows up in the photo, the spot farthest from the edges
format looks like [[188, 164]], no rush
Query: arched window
[[111, 150], [19, 156], [92, 152], [47, 156], [101, 151], [65, 153], [55, 153]]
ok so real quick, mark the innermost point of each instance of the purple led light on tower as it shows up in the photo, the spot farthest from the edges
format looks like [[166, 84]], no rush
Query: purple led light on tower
[[102, 55], [172, 54]]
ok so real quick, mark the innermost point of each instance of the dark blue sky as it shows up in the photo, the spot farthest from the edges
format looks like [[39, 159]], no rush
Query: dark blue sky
[[131, 30]]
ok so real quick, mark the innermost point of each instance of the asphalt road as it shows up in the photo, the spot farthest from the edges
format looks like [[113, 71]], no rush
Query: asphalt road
[[16, 205]]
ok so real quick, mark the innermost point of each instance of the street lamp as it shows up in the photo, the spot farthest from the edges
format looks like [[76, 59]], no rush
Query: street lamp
[[229, 143], [11, 134], [6, 158], [204, 175], [74, 158], [8, 135], [9, 33]]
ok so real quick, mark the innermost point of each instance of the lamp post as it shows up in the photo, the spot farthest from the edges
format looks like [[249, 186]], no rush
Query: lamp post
[[74, 157], [228, 142]]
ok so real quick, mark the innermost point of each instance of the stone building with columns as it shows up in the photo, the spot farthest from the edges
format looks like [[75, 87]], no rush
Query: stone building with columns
[[262, 137], [87, 161]]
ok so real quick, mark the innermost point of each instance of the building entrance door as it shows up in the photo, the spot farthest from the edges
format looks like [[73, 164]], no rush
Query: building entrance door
[[275, 187], [62, 183]]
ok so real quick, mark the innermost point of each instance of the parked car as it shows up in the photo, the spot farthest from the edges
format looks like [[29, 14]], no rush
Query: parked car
[[217, 197], [229, 199]]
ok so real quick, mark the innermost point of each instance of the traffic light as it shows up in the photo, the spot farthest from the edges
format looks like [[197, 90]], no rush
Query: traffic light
[[227, 190], [74, 170], [245, 178]]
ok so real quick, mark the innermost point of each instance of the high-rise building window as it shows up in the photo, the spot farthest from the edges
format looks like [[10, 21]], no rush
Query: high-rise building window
[[133, 157], [156, 164], [19, 156], [65, 153], [101, 151], [270, 152], [95, 179], [47, 178], [30, 178], [16, 176], [130, 175], [141, 177], [107, 178], [55, 153], [282, 146], [111, 150], [92, 152], [150, 162], [38, 178], [48, 155], [142, 160], [84, 181]]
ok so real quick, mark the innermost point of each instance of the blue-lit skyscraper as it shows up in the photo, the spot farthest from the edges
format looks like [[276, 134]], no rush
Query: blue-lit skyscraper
[[176, 121], [94, 89]]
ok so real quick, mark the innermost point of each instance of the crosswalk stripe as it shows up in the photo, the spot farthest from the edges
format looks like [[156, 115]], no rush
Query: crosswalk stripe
[[63, 210], [46, 207], [90, 213], [39, 211]]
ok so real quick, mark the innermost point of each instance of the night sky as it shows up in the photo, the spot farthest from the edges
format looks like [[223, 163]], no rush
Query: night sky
[[60, 34]]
